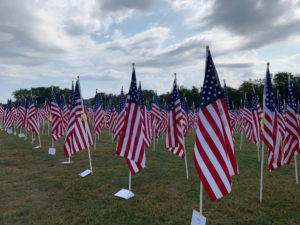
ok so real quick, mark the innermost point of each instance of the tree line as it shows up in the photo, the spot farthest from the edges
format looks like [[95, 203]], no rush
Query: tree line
[[193, 95]]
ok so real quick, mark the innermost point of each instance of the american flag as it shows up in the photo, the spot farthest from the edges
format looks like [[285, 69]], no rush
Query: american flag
[[46, 110], [144, 117], [112, 114], [65, 113], [174, 136], [32, 118], [281, 120], [255, 119], [247, 115], [292, 135], [21, 115], [99, 115], [155, 110], [185, 116], [120, 117], [131, 144], [79, 135], [214, 158], [55, 118], [271, 134], [8, 115]]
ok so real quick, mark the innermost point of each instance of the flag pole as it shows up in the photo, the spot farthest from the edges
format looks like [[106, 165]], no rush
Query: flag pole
[[186, 167], [201, 196], [90, 160], [48, 128], [154, 134], [129, 188], [258, 150], [40, 144], [261, 172], [95, 141], [296, 168]]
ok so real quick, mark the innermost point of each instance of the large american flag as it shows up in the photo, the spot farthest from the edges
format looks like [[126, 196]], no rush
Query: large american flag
[[155, 110], [99, 115], [214, 154], [55, 118], [32, 118], [79, 135], [131, 144], [174, 136], [292, 135]]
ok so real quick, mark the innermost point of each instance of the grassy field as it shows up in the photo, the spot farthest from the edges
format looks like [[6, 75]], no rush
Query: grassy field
[[36, 189]]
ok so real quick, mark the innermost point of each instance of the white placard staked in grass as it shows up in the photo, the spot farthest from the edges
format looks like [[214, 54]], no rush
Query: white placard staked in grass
[[52, 151], [85, 173], [198, 219], [126, 194]]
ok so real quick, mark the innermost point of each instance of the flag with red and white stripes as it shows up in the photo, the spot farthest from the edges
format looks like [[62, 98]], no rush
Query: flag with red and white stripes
[[21, 115], [8, 119], [214, 155], [271, 134], [174, 136], [292, 136], [55, 118], [32, 119], [255, 119], [65, 113], [131, 144], [248, 123], [120, 117], [78, 135], [99, 115]]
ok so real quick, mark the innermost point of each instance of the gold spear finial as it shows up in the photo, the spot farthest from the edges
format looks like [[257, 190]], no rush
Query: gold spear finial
[[133, 64], [207, 47], [175, 75], [268, 63], [78, 77]]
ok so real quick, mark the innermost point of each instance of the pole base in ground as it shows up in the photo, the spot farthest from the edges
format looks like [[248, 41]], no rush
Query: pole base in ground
[[36, 147], [66, 162], [15, 133], [85, 173], [125, 194], [9, 131]]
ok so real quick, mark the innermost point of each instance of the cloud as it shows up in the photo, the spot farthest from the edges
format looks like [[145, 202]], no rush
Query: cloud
[[259, 22]]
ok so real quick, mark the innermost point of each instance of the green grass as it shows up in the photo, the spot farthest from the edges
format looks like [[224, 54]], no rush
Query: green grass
[[36, 189]]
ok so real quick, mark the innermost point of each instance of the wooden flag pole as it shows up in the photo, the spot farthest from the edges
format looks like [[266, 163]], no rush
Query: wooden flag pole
[[201, 196], [296, 168], [52, 143], [261, 172]]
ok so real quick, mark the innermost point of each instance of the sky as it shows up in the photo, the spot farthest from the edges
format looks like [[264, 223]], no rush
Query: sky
[[44, 43]]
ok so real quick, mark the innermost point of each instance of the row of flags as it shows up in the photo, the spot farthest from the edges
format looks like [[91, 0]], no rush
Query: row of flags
[[134, 126]]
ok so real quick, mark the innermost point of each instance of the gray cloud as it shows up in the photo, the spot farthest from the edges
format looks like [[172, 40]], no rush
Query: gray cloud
[[260, 22], [235, 65], [113, 5]]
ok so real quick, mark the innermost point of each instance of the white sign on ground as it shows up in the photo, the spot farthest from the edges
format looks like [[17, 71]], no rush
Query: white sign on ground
[[198, 219], [52, 151], [124, 193]]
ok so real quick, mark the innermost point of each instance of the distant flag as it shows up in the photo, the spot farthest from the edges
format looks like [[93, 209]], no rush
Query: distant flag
[[144, 118], [32, 118], [155, 110], [255, 119], [292, 139], [120, 117], [55, 118], [78, 135], [99, 115], [21, 115], [271, 133], [65, 113], [131, 144], [247, 114], [174, 136], [214, 154]]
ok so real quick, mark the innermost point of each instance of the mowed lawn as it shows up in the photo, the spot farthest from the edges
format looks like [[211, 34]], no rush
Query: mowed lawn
[[36, 189]]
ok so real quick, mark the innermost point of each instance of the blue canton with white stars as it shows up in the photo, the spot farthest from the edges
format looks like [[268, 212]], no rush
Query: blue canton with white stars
[[212, 90], [291, 98], [226, 96], [270, 102], [254, 100], [133, 92], [175, 96], [97, 102]]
